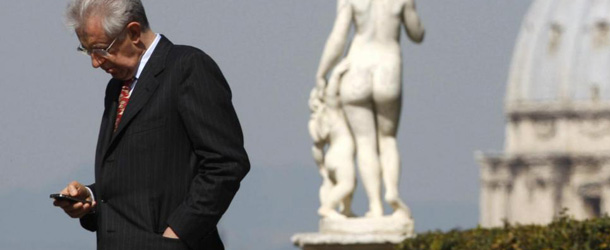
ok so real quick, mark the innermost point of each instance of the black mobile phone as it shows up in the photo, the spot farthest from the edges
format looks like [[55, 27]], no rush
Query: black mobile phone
[[71, 199]]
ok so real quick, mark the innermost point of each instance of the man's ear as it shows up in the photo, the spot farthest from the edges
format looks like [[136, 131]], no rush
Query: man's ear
[[134, 32]]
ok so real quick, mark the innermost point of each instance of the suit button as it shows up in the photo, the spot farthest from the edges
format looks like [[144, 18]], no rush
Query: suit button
[[103, 201]]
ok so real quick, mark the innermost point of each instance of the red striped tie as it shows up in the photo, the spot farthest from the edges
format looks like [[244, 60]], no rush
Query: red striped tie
[[123, 100]]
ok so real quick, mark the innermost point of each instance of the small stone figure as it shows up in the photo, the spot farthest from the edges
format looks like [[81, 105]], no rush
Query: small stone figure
[[328, 127]]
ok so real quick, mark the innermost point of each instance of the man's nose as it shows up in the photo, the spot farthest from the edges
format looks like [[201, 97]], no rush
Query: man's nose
[[96, 61]]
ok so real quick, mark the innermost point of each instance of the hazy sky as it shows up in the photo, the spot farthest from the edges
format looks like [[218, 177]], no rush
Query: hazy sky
[[51, 102]]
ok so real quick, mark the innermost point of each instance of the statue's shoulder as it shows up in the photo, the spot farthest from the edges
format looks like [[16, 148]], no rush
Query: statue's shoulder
[[407, 2], [343, 5]]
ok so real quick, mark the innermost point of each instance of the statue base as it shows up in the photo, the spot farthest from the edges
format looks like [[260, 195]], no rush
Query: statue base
[[357, 234]]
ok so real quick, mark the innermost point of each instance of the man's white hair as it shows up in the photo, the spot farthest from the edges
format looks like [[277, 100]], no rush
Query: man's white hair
[[115, 14]]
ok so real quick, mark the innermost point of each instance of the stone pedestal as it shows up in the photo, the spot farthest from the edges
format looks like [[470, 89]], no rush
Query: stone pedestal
[[357, 234]]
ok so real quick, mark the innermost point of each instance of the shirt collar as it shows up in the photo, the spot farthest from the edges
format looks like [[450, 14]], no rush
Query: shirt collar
[[147, 55]]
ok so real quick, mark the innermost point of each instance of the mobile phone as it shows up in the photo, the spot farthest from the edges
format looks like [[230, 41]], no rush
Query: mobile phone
[[71, 199]]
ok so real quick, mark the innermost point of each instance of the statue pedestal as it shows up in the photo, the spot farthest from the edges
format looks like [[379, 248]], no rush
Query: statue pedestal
[[357, 234]]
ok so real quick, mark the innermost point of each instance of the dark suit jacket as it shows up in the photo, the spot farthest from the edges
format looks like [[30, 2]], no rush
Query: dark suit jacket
[[176, 159]]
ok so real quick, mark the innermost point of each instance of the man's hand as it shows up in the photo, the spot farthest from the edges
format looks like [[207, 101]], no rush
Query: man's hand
[[169, 233], [75, 209]]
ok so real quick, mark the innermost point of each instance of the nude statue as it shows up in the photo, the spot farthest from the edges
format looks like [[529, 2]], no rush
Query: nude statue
[[370, 88], [328, 127]]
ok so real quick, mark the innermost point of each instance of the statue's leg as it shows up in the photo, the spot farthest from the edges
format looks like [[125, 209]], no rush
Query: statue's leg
[[331, 201], [387, 97], [339, 158], [356, 91], [325, 189], [346, 206]]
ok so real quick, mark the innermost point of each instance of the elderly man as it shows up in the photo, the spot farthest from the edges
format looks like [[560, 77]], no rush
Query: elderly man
[[170, 153]]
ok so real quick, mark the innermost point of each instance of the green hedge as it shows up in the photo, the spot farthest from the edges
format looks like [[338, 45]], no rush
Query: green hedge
[[562, 233]]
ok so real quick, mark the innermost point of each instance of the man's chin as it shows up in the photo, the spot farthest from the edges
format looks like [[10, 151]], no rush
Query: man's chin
[[118, 76]]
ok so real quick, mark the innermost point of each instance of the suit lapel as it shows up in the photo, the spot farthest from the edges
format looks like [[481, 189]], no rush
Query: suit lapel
[[144, 89], [110, 106]]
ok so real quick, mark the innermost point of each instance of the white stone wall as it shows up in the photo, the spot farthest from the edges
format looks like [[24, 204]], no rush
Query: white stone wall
[[533, 188], [538, 128]]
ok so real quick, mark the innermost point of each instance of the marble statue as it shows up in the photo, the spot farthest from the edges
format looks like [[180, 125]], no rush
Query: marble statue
[[362, 103], [355, 113]]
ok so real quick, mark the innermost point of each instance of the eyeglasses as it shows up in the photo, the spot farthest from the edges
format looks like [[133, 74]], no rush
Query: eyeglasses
[[98, 52]]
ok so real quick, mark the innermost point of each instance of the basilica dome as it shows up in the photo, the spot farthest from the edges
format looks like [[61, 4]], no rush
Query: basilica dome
[[562, 54], [558, 93], [557, 145]]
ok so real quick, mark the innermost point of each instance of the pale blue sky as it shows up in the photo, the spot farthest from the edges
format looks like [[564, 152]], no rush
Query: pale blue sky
[[51, 104]]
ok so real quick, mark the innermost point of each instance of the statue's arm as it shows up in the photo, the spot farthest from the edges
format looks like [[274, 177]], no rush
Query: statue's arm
[[415, 29], [332, 87], [335, 45]]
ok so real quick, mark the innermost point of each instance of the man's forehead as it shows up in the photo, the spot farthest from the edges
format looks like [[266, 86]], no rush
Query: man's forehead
[[91, 32]]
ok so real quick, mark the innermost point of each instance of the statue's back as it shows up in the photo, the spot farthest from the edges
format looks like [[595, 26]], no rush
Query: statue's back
[[377, 20]]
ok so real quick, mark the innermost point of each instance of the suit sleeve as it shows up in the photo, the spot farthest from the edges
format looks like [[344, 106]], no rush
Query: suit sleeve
[[89, 221], [204, 103]]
